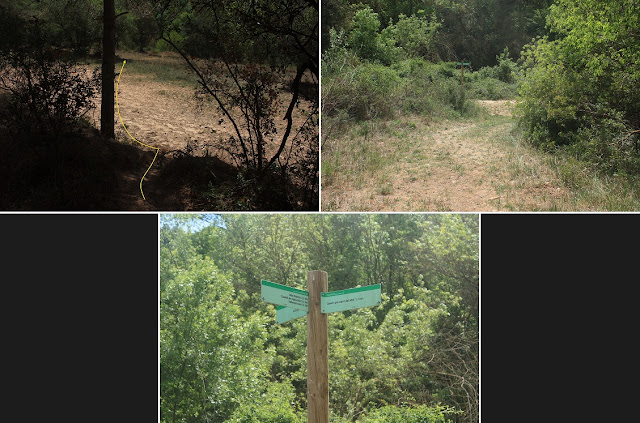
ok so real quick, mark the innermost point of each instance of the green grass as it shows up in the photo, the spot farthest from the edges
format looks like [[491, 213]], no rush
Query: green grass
[[165, 69], [596, 190], [367, 149], [589, 189]]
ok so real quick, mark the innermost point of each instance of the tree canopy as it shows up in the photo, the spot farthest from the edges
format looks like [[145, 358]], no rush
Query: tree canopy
[[223, 358], [581, 86], [474, 30]]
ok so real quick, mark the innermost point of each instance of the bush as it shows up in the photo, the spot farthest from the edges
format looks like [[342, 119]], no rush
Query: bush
[[367, 43], [506, 70], [488, 88], [412, 86], [367, 91], [419, 414], [48, 96], [49, 93], [413, 34], [581, 88], [274, 406]]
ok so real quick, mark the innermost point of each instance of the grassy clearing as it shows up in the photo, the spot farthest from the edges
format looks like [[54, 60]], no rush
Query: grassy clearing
[[478, 164], [165, 67], [365, 152]]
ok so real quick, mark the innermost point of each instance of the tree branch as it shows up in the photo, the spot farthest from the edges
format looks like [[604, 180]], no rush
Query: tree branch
[[288, 116], [202, 81]]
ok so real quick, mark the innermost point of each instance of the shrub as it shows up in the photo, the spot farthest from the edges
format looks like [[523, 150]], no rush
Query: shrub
[[366, 42], [274, 406], [506, 70], [48, 96], [419, 414], [488, 88], [581, 88], [49, 93], [413, 34], [367, 91]]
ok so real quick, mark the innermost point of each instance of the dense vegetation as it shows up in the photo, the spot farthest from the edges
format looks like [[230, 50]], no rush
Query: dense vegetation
[[581, 88], [573, 66], [242, 55], [400, 57], [414, 358]]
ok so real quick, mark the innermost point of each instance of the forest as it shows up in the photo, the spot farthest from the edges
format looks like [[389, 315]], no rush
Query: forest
[[224, 93], [413, 358], [547, 109]]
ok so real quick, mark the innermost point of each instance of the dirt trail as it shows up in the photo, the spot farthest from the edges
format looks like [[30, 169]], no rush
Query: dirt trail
[[458, 166], [160, 113], [165, 114]]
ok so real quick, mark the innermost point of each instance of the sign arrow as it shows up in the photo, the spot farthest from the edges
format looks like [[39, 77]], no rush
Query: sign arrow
[[285, 296], [349, 299], [284, 314]]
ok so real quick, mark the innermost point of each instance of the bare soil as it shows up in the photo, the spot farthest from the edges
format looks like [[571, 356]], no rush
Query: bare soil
[[167, 115], [455, 166], [156, 98]]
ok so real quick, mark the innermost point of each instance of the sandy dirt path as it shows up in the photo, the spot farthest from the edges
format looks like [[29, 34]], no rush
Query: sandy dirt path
[[456, 166], [161, 113], [165, 114]]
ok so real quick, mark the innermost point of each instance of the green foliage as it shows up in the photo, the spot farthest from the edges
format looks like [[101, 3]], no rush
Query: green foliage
[[419, 414], [271, 407], [414, 34], [581, 86], [367, 91], [491, 89], [137, 29], [365, 39], [411, 36], [506, 70], [419, 346], [371, 72], [476, 30], [214, 358]]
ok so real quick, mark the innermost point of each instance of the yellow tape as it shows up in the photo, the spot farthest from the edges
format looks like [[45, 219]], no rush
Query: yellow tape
[[132, 137]]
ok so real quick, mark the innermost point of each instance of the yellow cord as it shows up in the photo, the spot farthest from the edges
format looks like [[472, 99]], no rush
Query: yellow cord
[[132, 137]]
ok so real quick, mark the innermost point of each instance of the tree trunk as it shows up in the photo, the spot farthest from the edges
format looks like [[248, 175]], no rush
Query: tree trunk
[[108, 65]]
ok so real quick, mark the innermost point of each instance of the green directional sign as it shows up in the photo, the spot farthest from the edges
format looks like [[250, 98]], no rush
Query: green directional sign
[[349, 299], [467, 64], [285, 296], [284, 314]]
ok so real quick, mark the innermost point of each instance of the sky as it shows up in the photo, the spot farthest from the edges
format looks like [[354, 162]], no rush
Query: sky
[[192, 222]]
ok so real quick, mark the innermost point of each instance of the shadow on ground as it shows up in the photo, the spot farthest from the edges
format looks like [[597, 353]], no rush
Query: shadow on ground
[[91, 173]]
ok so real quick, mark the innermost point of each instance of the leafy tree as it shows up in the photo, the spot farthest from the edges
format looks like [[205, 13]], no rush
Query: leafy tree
[[364, 38], [213, 359], [418, 348], [581, 84], [273, 34], [414, 34]]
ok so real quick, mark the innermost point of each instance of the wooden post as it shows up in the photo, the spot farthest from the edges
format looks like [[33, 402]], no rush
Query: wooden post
[[462, 67], [317, 350], [108, 63]]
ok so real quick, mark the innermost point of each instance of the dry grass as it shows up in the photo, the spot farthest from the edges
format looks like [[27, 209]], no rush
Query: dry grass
[[156, 99], [481, 164]]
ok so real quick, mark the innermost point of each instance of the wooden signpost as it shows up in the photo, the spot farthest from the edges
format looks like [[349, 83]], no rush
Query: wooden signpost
[[462, 65], [316, 303]]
